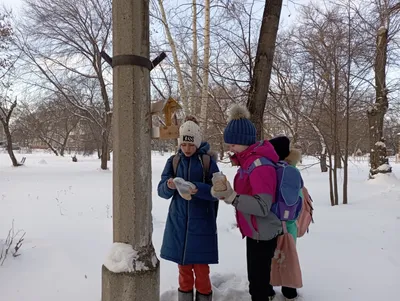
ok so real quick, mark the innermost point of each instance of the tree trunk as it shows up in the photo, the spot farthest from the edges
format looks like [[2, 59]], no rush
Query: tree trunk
[[333, 180], [132, 219], [338, 156], [194, 105], [322, 162], [5, 117], [181, 83], [9, 145], [335, 139], [347, 138], [221, 148], [331, 186], [104, 149], [206, 63], [259, 86], [376, 113], [64, 144], [338, 159], [335, 185], [345, 177], [49, 145], [105, 135]]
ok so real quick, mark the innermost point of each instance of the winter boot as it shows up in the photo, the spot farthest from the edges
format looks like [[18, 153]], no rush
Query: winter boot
[[201, 297], [185, 296], [272, 297]]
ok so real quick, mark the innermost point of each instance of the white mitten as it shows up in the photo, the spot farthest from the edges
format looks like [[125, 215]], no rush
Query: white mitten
[[184, 188]]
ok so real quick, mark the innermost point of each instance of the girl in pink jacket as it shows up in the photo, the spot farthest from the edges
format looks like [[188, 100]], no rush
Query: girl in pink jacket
[[252, 196]]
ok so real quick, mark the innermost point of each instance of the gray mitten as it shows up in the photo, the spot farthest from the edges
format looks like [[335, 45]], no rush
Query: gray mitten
[[227, 196]]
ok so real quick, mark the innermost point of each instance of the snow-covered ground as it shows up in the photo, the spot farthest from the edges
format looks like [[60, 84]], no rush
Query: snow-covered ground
[[66, 210]]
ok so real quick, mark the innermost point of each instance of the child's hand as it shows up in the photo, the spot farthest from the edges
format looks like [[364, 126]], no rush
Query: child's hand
[[193, 191], [171, 184], [220, 186], [228, 195]]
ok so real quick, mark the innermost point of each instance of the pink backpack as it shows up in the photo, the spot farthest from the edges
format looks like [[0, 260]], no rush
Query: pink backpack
[[306, 214], [285, 266]]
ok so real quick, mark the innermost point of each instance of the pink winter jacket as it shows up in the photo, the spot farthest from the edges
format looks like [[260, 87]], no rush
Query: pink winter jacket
[[256, 193]]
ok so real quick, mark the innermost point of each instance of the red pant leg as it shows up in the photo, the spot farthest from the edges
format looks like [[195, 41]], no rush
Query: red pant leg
[[202, 274], [186, 278]]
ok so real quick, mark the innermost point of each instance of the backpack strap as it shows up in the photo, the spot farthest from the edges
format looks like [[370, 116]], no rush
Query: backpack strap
[[175, 161], [205, 162], [259, 162], [284, 227]]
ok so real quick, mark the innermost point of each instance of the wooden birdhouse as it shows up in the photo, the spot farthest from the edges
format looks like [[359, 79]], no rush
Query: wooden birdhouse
[[170, 129]]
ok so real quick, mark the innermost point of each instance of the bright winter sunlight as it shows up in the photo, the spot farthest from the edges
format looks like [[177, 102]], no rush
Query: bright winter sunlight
[[199, 150]]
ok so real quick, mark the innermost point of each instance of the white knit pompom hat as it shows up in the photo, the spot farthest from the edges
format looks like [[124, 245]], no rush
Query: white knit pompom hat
[[189, 132]]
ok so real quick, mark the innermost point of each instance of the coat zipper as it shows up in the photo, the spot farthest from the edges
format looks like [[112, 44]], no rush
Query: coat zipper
[[204, 175], [187, 219]]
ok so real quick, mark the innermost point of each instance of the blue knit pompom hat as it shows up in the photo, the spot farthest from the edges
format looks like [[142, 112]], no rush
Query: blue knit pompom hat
[[240, 130]]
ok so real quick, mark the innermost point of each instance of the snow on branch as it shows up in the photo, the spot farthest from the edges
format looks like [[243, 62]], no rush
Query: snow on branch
[[380, 144]]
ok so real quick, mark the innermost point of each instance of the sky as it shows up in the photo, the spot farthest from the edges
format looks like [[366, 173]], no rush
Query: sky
[[289, 6], [13, 4], [288, 14]]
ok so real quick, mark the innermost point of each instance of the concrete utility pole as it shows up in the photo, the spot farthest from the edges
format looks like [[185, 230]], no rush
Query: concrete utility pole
[[132, 188]]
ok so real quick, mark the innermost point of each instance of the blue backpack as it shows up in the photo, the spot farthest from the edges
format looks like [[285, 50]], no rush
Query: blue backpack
[[288, 198]]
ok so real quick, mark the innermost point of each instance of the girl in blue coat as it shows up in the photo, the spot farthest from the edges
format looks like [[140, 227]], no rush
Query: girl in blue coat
[[190, 236]]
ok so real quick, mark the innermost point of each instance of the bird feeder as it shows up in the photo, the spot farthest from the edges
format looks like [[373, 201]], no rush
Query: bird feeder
[[170, 129]]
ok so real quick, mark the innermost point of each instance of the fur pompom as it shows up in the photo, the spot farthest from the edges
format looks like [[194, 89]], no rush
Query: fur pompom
[[294, 157], [239, 112]]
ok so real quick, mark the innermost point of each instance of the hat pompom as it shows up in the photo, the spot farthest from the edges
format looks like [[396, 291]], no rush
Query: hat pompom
[[294, 156], [239, 112], [240, 130]]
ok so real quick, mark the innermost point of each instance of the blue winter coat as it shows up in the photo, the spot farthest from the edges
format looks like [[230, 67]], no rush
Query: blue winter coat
[[190, 235]]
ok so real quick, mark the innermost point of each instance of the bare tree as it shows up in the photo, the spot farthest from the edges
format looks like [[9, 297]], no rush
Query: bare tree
[[37, 125], [176, 61], [193, 90], [206, 65], [7, 106], [63, 41], [231, 43], [288, 84], [6, 110], [376, 113], [51, 122]]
